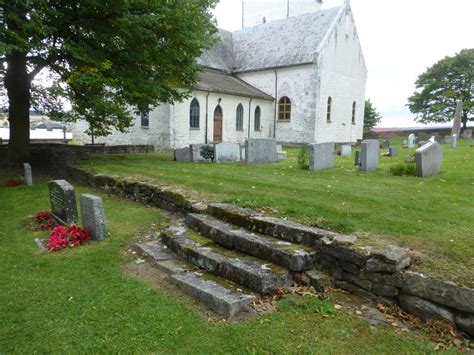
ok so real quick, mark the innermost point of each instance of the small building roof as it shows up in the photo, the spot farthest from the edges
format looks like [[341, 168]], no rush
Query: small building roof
[[224, 83]]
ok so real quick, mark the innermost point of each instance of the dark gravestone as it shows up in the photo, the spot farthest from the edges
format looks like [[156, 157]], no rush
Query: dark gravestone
[[357, 158], [63, 201], [183, 154], [92, 214], [392, 152]]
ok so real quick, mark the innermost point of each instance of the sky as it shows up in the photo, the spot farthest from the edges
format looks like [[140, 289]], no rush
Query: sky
[[400, 40]]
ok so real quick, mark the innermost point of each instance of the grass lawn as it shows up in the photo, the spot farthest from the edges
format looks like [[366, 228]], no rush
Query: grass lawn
[[433, 216], [81, 301]]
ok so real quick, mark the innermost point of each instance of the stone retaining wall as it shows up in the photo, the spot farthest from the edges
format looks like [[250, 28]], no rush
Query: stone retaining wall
[[379, 274]]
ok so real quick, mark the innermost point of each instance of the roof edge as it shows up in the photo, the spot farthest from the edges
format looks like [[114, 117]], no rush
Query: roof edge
[[332, 27]]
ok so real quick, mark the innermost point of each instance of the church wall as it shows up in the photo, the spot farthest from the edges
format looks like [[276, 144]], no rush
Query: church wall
[[299, 84], [343, 76]]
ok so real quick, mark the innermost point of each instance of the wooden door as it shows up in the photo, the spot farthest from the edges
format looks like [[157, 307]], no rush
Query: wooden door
[[218, 124]]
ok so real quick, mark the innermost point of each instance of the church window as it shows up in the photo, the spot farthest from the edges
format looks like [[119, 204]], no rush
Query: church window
[[239, 120], [328, 113], [145, 119], [284, 109], [194, 114], [256, 124], [354, 105]]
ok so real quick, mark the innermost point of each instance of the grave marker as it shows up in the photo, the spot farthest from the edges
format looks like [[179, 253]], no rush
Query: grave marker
[[226, 152], [392, 152], [357, 158], [322, 156], [346, 150], [457, 119], [428, 159], [92, 214], [196, 152], [183, 154], [369, 155], [411, 141], [260, 150], [467, 134], [27, 175], [63, 201]]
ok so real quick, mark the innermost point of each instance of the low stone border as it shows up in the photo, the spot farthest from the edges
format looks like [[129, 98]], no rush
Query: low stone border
[[379, 274]]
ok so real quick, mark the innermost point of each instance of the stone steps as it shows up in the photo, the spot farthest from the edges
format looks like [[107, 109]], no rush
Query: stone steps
[[295, 257], [222, 296], [248, 271]]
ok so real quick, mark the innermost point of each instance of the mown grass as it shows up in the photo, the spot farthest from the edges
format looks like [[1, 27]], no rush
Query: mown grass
[[432, 216], [80, 300]]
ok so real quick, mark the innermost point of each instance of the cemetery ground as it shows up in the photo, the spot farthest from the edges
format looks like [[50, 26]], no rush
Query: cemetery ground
[[432, 216], [83, 299]]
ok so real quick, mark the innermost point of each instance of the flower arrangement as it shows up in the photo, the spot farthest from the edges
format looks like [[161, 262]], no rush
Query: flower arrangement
[[14, 182], [45, 220], [63, 237]]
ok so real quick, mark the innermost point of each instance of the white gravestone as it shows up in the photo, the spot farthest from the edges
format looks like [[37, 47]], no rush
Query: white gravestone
[[428, 159], [322, 156], [226, 152], [346, 150], [92, 214], [260, 150], [27, 174], [369, 155], [411, 141]]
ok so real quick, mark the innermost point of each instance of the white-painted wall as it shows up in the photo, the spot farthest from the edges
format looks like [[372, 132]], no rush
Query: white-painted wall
[[342, 75]]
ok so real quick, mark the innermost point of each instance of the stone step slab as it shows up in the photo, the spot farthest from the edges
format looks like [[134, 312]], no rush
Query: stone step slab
[[219, 297], [278, 228], [155, 250], [248, 271], [295, 257]]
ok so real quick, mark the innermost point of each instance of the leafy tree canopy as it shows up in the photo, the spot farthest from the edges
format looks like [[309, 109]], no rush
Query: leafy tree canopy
[[102, 56], [371, 115], [438, 89]]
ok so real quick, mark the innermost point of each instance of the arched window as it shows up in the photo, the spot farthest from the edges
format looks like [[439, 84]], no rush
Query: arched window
[[284, 109], [328, 114], [256, 122], [239, 118], [194, 114], [354, 105], [145, 119]]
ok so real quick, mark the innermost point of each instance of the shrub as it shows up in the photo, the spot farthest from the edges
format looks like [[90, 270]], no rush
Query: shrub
[[207, 152], [63, 237], [401, 169], [303, 159]]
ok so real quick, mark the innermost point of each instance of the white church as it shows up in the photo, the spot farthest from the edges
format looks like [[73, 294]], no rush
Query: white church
[[294, 72]]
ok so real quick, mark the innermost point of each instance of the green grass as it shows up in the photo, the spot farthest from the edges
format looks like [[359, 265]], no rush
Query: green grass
[[432, 216], [81, 301]]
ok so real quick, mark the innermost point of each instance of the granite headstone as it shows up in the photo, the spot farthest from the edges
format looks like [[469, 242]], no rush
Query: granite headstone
[[322, 156], [428, 159], [260, 150], [369, 155], [27, 174], [457, 119], [183, 154], [392, 152], [92, 214], [346, 150], [226, 152], [411, 141], [63, 201]]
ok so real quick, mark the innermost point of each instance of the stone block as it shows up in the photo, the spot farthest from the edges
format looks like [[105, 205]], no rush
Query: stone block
[[369, 156], [428, 159], [319, 280], [411, 141], [183, 154], [425, 309], [454, 141], [467, 134], [346, 150], [322, 156], [92, 215], [392, 152], [465, 323], [226, 152], [63, 201], [281, 155], [196, 152], [457, 121], [260, 150], [384, 290], [279, 148], [27, 174]]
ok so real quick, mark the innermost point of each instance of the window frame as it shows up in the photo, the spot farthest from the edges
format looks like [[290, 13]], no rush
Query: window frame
[[239, 117], [194, 114], [145, 119], [354, 108], [329, 110], [284, 109], [257, 128]]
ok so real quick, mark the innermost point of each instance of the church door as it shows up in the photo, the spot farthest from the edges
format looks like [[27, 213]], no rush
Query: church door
[[218, 124]]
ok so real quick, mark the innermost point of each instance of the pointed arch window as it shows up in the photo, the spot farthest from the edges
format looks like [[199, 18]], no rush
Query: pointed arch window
[[354, 106], [256, 122], [284, 109], [329, 108], [239, 118], [145, 119], [194, 114]]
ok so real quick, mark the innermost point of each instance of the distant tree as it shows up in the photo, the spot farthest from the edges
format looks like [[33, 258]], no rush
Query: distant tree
[[105, 57], [438, 89], [371, 116]]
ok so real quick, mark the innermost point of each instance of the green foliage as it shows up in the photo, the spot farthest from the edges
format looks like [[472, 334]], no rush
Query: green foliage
[[438, 89], [303, 158], [108, 59], [401, 169], [207, 152], [371, 115]]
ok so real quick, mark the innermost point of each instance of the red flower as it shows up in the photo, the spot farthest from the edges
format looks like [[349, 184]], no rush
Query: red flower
[[63, 237]]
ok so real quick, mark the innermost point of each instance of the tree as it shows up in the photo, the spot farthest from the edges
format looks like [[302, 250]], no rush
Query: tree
[[105, 57], [371, 116], [438, 89]]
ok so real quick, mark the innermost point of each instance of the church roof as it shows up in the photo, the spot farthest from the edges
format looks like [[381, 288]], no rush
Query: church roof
[[220, 82], [280, 43]]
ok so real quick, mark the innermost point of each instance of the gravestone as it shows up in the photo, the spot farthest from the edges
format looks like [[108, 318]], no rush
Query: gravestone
[[27, 174], [457, 119], [322, 156], [260, 150], [392, 152], [281, 155], [411, 141], [92, 215], [226, 152], [196, 152], [386, 144], [369, 155], [279, 148], [454, 141], [183, 154], [63, 201], [346, 150], [357, 158], [467, 134], [428, 159]]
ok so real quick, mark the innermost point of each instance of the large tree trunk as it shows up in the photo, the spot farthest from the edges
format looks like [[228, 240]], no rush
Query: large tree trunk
[[18, 84]]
